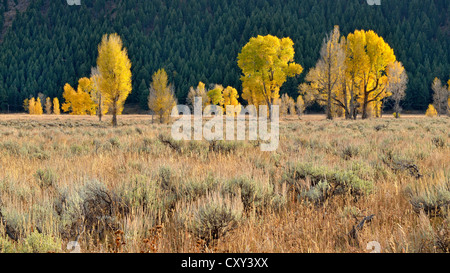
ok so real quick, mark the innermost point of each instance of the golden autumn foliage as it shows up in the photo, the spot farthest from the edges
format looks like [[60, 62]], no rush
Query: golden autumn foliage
[[300, 105], [230, 97], [161, 99], [34, 106], [287, 105], [353, 75], [325, 79], [114, 68], [201, 92], [368, 57], [79, 102], [56, 109], [431, 111], [38, 107], [266, 62], [215, 95]]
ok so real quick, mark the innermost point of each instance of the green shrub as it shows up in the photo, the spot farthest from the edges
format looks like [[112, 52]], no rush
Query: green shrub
[[320, 183], [221, 146], [40, 243], [349, 152], [433, 200], [45, 178], [211, 217], [254, 195]]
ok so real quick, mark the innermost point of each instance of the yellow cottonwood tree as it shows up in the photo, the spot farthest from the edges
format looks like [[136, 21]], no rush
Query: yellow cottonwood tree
[[287, 105], [368, 57], [266, 62], [38, 107], [300, 105], [230, 97], [31, 106], [431, 111], [326, 77], [78, 102], [114, 67], [161, 98], [26, 105], [200, 91], [96, 94], [215, 95], [56, 109], [397, 82]]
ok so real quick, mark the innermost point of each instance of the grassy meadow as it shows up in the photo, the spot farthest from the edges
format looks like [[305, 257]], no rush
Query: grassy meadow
[[331, 186]]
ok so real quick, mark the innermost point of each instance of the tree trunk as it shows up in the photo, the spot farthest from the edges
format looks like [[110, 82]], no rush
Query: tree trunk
[[347, 112], [329, 114], [114, 113], [270, 111], [365, 103], [100, 110]]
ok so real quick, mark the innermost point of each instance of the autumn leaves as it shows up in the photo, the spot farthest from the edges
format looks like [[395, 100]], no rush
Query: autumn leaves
[[109, 85], [266, 62], [353, 75]]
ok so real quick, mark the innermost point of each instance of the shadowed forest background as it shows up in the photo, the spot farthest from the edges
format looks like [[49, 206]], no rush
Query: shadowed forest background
[[45, 44]]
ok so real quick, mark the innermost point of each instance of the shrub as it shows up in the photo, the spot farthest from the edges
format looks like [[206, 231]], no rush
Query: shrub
[[40, 243], [115, 142], [319, 183], [221, 146], [11, 147], [7, 245], [399, 163], [349, 152], [254, 195], [211, 217], [15, 222], [195, 189], [433, 200], [45, 178], [438, 141], [172, 143], [92, 209], [141, 192]]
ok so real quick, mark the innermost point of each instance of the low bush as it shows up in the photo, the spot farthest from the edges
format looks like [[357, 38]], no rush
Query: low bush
[[319, 183]]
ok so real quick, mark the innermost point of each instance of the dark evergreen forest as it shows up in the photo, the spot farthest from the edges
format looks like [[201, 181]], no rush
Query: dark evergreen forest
[[51, 43]]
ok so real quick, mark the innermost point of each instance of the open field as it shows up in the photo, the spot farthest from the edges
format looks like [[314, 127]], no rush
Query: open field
[[134, 189]]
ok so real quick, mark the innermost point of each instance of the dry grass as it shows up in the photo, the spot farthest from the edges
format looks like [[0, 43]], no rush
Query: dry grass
[[124, 190]]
